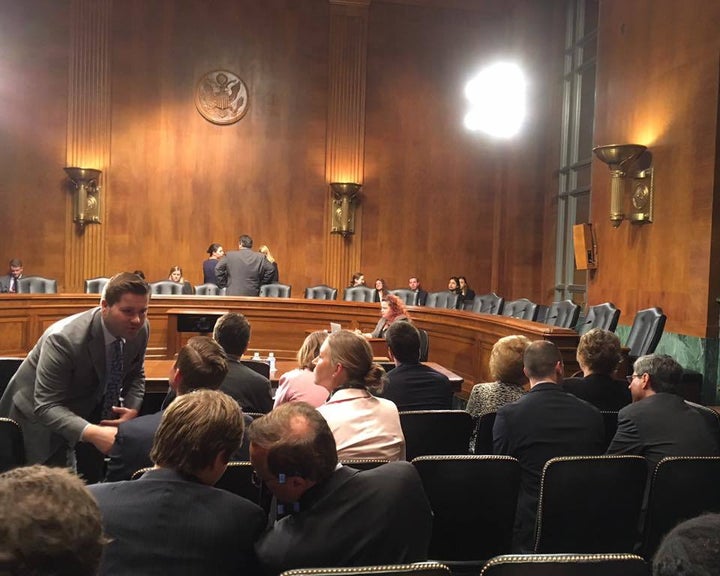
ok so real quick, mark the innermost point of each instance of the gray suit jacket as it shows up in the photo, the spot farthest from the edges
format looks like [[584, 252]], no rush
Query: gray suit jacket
[[62, 382], [242, 272], [5, 283]]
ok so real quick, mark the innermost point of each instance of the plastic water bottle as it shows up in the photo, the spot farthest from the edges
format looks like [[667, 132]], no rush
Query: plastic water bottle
[[256, 356], [271, 361]]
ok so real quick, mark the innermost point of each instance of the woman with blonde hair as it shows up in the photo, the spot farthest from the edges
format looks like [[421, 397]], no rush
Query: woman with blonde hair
[[264, 250], [298, 385], [363, 425]]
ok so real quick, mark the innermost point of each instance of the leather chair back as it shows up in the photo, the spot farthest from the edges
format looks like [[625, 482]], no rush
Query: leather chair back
[[483, 441], [166, 287], [409, 297], [610, 420], [364, 463], [208, 289], [603, 316], [95, 285], [321, 292], [424, 345], [563, 314], [415, 569], [430, 432], [566, 565], [646, 331], [259, 366], [488, 304], [359, 294], [37, 285], [8, 367], [12, 449], [275, 290], [521, 308], [444, 299], [590, 504]]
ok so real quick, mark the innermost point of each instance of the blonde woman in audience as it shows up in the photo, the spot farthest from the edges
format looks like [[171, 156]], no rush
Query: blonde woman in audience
[[363, 425], [269, 257], [298, 385]]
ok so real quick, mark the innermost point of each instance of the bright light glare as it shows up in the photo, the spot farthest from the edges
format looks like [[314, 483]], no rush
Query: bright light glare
[[497, 96]]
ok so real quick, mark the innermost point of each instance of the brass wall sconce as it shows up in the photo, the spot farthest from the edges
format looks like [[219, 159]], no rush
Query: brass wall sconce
[[86, 206], [345, 200], [620, 157]]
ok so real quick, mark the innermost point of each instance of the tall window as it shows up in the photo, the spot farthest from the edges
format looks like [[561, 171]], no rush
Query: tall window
[[576, 142]]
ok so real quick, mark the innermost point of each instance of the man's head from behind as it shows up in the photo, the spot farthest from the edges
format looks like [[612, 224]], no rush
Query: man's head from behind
[[654, 373], [403, 340], [197, 435], [49, 524], [542, 362], [292, 448], [692, 548], [245, 241], [201, 363], [232, 332]]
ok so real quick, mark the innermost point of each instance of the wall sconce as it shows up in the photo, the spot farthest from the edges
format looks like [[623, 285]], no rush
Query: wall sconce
[[345, 200], [86, 208], [619, 157]]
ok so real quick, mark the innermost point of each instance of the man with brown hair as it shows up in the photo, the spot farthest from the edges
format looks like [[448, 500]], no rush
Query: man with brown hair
[[201, 363], [172, 520], [49, 524]]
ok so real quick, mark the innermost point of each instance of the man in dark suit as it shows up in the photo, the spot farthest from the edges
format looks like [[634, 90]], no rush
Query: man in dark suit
[[414, 284], [338, 516], [9, 282], [67, 390], [412, 385], [660, 423], [172, 520], [243, 271], [250, 389], [200, 364], [545, 423]]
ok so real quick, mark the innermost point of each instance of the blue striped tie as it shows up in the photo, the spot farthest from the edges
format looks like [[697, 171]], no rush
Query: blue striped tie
[[114, 380]]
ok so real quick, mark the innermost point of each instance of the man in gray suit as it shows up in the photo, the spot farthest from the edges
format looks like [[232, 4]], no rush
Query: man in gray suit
[[68, 388], [9, 282], [243, 271]]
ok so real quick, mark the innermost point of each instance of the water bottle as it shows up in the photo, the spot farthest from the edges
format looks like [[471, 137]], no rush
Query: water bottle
[[256, 356], [271, 361]]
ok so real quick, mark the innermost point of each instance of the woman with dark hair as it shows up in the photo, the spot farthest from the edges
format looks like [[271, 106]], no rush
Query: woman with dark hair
[[216, 252], [380, 290], [358, 279], [454, 288], [298, 385], [363, 425], [392, 309], [176, 275], [467, 294]]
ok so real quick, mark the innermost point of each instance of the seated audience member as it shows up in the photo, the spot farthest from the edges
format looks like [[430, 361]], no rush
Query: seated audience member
[[414, 285], [467, 294], [215, 252], [251, 390], [392, 310], [598, 355], [506, 367], [364, 426], [172, 520], [9, 282], [200, 364], [50, 525], [454, 288], [545, 423], [659, 423], [298, 385], [176, 275], [692, 548], [338, 516], [412, 385], [358, 279], [380, 290], [265, 251]]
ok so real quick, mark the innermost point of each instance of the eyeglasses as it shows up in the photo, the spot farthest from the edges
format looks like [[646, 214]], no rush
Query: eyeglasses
[[631, 378]]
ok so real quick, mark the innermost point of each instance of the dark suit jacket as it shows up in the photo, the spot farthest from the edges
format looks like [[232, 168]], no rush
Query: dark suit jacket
[[243, 272], [61, 383], [378, 516], [421, 297], [250, 389], [5, 283], [545, 423], [663, 425], [418, 387], [601, 390], [165, 524]]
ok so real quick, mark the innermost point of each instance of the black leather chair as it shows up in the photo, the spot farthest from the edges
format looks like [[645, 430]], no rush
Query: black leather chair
[[483, 437], [590, 504], [12, 449], [521, 308], [409, 297], [563, 314], [417, 569], [681, 487], [37, 285], [610, 420], [473, 499], [8, 367], [364, 463], [488, 304], [603, 316], [321, 292], [444, 299], [275, 290], [432, 432], [359, 294], [209, 289], [424, 345], [166, 287], [646, 331], [261, 367], [95, 285], [566, 565]]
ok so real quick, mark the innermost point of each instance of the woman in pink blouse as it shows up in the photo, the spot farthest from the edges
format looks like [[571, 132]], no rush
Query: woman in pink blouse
[[298, 385]]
